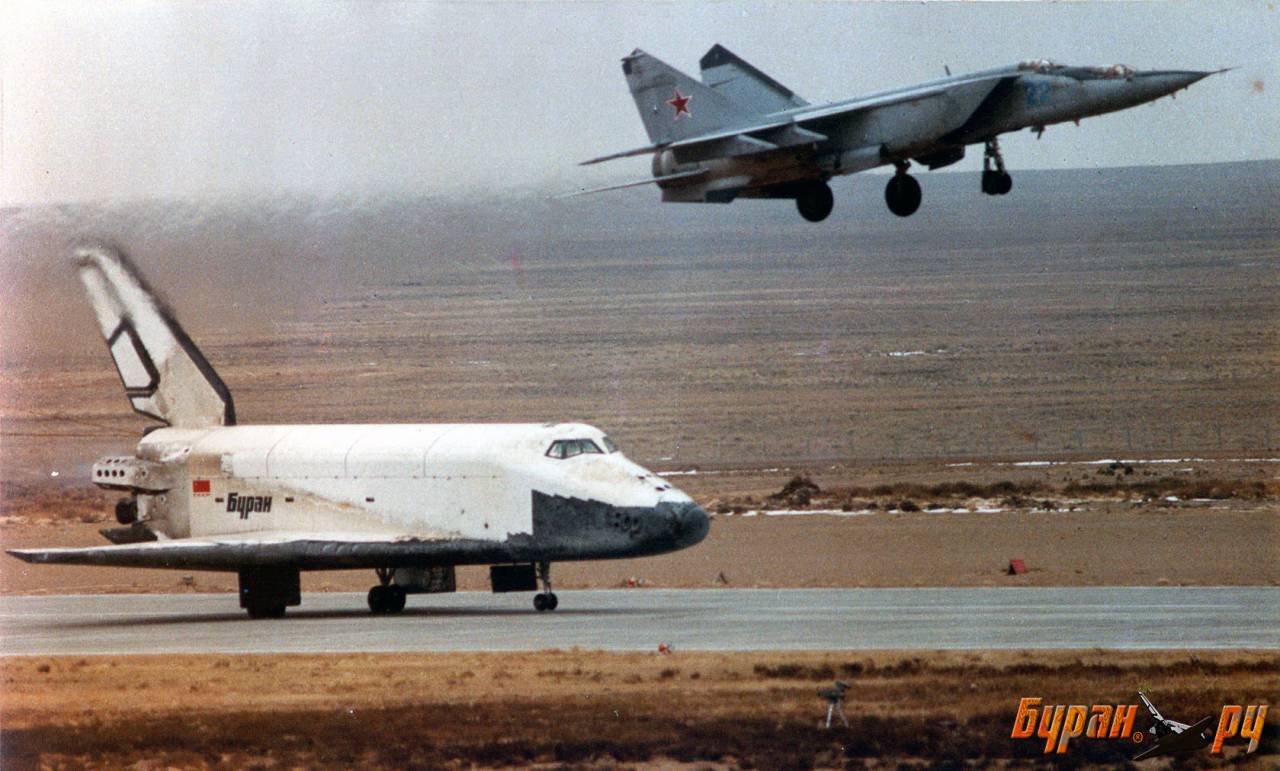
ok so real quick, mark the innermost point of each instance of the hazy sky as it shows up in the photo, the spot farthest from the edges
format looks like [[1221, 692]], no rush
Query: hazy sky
[[106, 101]]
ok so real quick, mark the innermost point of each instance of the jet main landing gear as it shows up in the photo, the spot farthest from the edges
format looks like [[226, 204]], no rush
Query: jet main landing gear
[[547, 600], [815, 201], [386, 597], [994, 181], [903, 191]]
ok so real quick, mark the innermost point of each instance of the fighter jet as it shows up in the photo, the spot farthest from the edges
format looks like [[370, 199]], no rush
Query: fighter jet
[[1172, 736], [409, 501], [741, 134]]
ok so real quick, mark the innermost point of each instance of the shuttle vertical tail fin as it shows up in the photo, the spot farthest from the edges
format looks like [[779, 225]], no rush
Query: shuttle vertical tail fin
[[165, 376], [674, 106]]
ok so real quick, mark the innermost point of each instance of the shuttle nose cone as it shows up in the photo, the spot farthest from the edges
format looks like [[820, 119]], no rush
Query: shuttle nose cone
[[689, 524]]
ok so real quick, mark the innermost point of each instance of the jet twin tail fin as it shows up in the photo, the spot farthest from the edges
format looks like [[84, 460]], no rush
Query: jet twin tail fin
[[674, 106], [745, 85], [165, 376]]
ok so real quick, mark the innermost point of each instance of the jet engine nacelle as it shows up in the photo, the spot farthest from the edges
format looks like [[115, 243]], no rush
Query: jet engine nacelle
[[665, 164]]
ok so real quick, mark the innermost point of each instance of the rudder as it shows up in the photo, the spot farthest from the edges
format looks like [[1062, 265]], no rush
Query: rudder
[[674, 106], [164, 375]]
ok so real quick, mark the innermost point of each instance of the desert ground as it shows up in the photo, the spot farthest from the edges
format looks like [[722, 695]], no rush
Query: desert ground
[[583, 709], [1080, 375], [1121, 314]]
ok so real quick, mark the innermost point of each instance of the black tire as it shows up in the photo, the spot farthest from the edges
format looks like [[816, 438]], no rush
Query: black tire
[[380, 600], [1003, 183], [988, 182], [396, 597], [815, 202], [540, 602], [552, 601], [903, 195], [266, 611]]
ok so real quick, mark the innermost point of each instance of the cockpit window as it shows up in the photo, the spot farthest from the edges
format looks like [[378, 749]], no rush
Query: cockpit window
[[567, 448], [609, 446], [1114, 72], [1039, 65]]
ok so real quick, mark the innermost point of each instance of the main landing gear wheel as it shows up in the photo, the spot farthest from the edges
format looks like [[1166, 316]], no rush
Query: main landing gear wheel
[[902, 194], [815, 202], [386, 597], [994, 181], [547, 599]]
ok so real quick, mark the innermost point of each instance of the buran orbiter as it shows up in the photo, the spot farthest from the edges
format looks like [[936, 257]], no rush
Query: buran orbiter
[[409, 501]]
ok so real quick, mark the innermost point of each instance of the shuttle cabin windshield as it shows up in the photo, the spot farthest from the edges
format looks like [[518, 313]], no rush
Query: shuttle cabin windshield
[[568, 448]]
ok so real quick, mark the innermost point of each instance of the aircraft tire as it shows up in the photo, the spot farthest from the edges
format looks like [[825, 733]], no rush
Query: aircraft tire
[[553, 601], [1003, 183], [540, 602], [903, 195], [815, 202], [988, 182], [386, 599]]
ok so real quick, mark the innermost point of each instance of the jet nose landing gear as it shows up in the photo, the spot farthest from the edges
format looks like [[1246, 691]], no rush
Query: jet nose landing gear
[[903, 192], [994, 181]]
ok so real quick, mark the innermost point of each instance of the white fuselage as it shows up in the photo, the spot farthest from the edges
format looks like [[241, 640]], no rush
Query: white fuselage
[[380, 482]]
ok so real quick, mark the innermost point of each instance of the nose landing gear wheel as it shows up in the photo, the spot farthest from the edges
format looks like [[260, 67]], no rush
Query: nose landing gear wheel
[[995, 181], [815, 202], [903, 195]]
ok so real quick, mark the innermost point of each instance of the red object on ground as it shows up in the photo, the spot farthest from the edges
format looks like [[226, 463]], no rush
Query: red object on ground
[[664, 648], [1017, 567]]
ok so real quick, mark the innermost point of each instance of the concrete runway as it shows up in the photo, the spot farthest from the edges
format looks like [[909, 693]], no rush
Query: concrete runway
[[640, 619]]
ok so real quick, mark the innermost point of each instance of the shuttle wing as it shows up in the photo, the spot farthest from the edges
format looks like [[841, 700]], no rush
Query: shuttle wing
[[305, 551]]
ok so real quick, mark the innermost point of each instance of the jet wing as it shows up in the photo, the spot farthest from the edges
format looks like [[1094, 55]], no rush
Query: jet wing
[[306, 551], [788, 128]]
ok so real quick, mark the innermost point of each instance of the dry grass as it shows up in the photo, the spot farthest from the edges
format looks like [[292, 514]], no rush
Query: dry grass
[[588, 708]]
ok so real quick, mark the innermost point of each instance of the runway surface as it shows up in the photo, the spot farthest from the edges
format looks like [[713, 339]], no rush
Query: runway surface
[[640, 619]]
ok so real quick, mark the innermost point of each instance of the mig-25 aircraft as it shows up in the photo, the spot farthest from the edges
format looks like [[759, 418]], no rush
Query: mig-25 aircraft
[[741, 134], [409, 501]]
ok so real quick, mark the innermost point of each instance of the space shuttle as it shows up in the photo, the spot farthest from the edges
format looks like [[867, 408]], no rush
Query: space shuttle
[[411, 502]]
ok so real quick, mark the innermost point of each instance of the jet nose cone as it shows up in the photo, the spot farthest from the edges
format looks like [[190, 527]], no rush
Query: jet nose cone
[[1164, 82], [690, 524]]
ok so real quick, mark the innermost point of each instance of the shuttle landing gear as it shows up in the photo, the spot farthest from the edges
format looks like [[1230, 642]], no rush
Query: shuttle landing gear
[[266, 591], [903, 191], [386, 597], [994, 181], [815, 201], [547, 600]]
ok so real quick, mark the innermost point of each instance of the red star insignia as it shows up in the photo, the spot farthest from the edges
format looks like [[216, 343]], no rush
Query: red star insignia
[[681, 104]]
